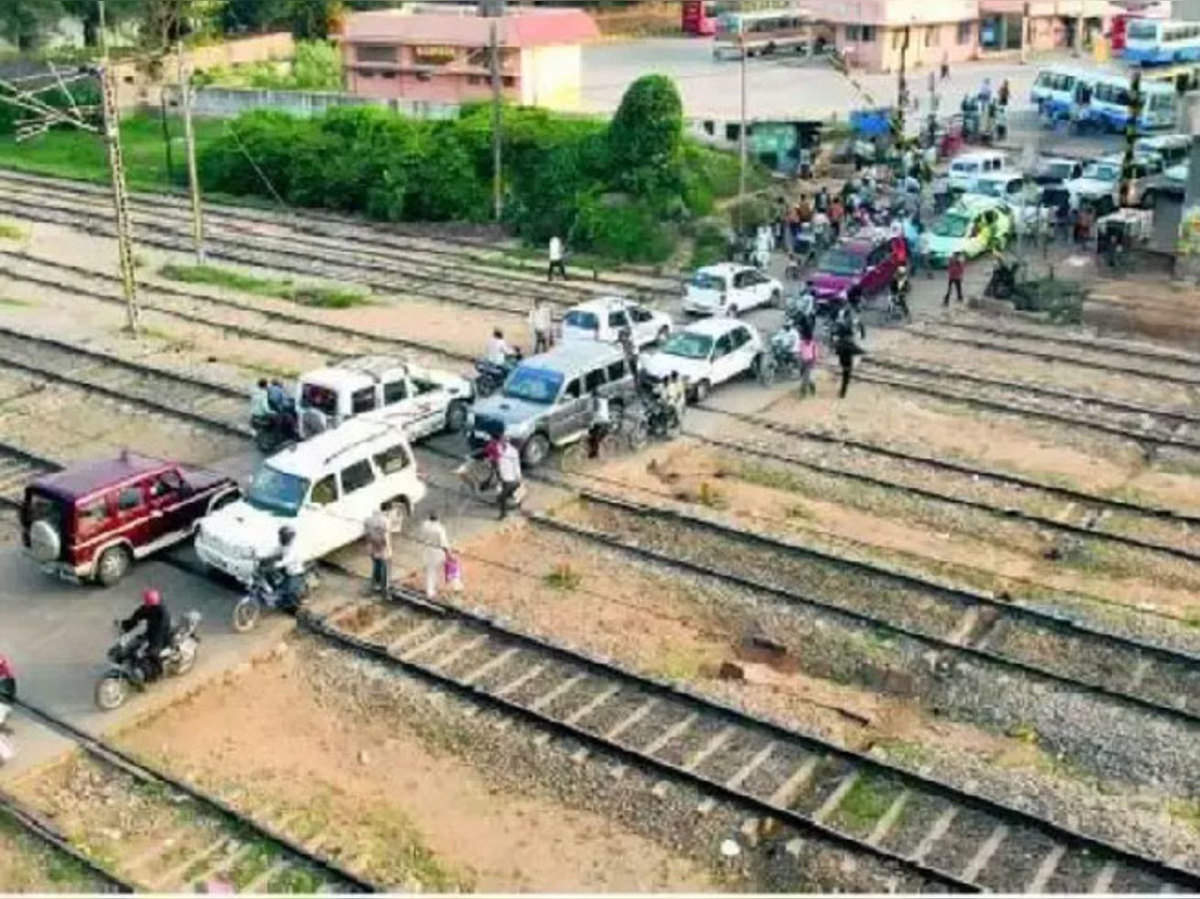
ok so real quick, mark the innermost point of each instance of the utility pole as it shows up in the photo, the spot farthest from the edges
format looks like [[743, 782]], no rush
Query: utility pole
[[189, 138], [116, 165], [742, 128], [497, 188], [1025, 31], [1125, 192], [898, 138]]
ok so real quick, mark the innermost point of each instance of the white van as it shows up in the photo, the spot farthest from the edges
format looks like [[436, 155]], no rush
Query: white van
[[325, 488], [966, 168], [425, 400]]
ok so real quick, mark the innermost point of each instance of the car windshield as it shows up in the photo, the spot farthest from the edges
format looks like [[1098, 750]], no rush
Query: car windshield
[[1140, 31], [1057, 169], [534, 385], [273, 491], [989, 188], [1102, 171], [577, 318], [706, 281], [950, 225], [841, 261], [689, 346], [314, 396]]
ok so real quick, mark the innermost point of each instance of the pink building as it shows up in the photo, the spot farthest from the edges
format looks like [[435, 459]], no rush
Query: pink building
[[445, 57]]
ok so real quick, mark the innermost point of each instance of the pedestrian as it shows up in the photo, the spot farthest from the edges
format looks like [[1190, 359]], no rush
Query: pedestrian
[[379, 545], [954, 276], [808, 359], [437, 549], [509, 468], [556, 259], [985, 91], [922, 257], [837, 212], [629, 348], [945, 64], [1003, 94], [821, 202], [845, 346], [540, 325]]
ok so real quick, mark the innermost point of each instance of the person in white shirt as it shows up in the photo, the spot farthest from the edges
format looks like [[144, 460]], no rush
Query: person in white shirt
[[540, 325], [509, 468], [498, 349], [378, 534], [556, 259], [437, 547], [601, 422], [291, 564], [260, 403]]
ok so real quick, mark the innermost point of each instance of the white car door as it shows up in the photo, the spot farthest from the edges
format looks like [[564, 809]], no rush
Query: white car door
[[429, 403], [744, 350], [359, 500], [643, 325], [617, 320], [741, 293], [318, 525], [724, 359]]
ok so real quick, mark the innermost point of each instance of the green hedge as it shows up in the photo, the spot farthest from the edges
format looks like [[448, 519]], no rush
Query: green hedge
[[563, 174]]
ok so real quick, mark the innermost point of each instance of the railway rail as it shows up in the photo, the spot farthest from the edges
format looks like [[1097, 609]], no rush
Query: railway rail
[[216, 406], [362, 341], [1086, 659], [218, 840], [391, 236], [18, 468], [948, 837], [1129, 421]]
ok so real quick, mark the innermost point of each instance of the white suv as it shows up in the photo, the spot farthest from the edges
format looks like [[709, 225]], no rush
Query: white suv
[[424, 400], [707, 353], [325, 488], [729, 289], [604, 318]]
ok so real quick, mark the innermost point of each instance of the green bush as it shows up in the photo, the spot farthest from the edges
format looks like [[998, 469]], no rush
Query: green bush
[[710, 245], [628, 230]]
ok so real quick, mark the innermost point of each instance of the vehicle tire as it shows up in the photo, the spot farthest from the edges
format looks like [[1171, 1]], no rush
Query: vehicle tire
[[764, 369], [265, 441], [245, 614], [1001, 290], [111, 692], [637, 434], [573, 457], [700, 391], [112, 565], [184, 662], [663, 333], [44, 541], [776, 300], [535, 450], [456, 417]]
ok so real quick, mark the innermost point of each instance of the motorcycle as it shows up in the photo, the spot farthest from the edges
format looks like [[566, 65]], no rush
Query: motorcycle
[[271, 432], [265, 591], [1003, 282], [490, 377], [130, 668], [787, 365]]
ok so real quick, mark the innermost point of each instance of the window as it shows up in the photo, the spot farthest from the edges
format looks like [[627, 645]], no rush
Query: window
[[423, 387], [392, 460], [90, 518], [357, 476], [129, 498], [388, 74], [375, 54], [638, 314], [964, 32], [616, 371], [724, 346], [572, 391], [739, 337], [394, 392], [509, 81], [594, 380], [362, 400], [617, 320], [365, 73], [863, 33], [475, 79], [933, 35], [732, 132], [165, 483], [708, 126], [325, 491]]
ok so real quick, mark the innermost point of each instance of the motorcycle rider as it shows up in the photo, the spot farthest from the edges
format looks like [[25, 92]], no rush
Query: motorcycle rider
[[158, 630], [288, 562], [898, 291], [260, 405], [498, 349], [676, 395], [601, 423], [8, 681]]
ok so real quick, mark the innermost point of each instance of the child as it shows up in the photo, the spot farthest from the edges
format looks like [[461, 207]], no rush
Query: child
[[808, 361]]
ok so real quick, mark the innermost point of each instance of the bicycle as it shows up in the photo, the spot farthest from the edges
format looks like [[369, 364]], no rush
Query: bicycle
[[627, 434]]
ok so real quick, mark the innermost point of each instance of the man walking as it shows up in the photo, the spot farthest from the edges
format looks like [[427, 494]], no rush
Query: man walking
[[845, 347], [509, 468], [437, 547], [379, 544], [556, 259], [539, 325], [954, 276]]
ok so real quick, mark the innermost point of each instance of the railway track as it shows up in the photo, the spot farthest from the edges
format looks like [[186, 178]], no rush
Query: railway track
[[1127, 420], [202, 838], [391, 238], [929, 831], [18, 468], [1082, 658], [209, 404], [1093, 357], [358, 342]]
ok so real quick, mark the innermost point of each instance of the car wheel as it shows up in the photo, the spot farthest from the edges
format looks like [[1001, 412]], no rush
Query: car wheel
[[764, 369], [113, 564], [700, 391], [245, 614], [535, 451], [111, 692], [776, 299], [456, 417]]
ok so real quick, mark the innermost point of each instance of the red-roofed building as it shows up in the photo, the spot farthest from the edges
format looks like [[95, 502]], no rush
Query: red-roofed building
[[444, 57]]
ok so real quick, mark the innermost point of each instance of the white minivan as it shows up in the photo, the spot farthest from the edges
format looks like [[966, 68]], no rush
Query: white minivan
[[325, 488], [966, 168]]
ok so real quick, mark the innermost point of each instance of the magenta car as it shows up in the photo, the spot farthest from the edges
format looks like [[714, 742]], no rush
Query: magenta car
[[865, 260]]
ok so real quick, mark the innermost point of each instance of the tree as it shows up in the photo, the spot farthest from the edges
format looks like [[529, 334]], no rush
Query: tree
[[116, 12], [253, 15], [312, 19], [26, 22], [646, 138]]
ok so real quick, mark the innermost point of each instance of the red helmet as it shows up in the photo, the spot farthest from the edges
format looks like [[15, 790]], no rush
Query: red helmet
[[151, 598]]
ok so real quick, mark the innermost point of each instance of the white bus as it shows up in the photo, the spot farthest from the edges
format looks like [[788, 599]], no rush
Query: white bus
[[1156, 42], [1053, 91], [1108, 104], [765, 32]]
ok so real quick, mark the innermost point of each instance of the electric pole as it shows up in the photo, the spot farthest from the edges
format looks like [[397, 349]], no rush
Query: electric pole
[[901, 100], [497, 188], [742, 129], [189, 137], [1125, 193]]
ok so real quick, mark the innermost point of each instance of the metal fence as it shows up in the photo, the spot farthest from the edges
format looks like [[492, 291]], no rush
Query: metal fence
[[227, 102]]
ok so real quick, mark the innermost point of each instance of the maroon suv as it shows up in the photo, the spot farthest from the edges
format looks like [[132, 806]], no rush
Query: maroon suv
[[92, 520]]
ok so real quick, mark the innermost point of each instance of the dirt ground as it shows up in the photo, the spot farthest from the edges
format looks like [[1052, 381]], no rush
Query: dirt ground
[[29, 866], [393, 796]]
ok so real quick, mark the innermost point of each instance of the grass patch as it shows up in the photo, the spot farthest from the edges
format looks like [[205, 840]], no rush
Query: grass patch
[[13, 301], [304, 294], [711, 497], [1187, 811], [563, 577], [268, 369], [29, 865], [906, 753], [678, 664], [866, 803], [11, 232]]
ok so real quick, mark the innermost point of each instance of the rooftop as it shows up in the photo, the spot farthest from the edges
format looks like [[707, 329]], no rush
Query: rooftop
[[520, 29], [101, 474]]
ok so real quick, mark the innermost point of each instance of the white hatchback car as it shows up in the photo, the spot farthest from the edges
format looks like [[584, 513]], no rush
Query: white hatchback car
[[604, 318], [730, 289], [707, 353], [325, 488]]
